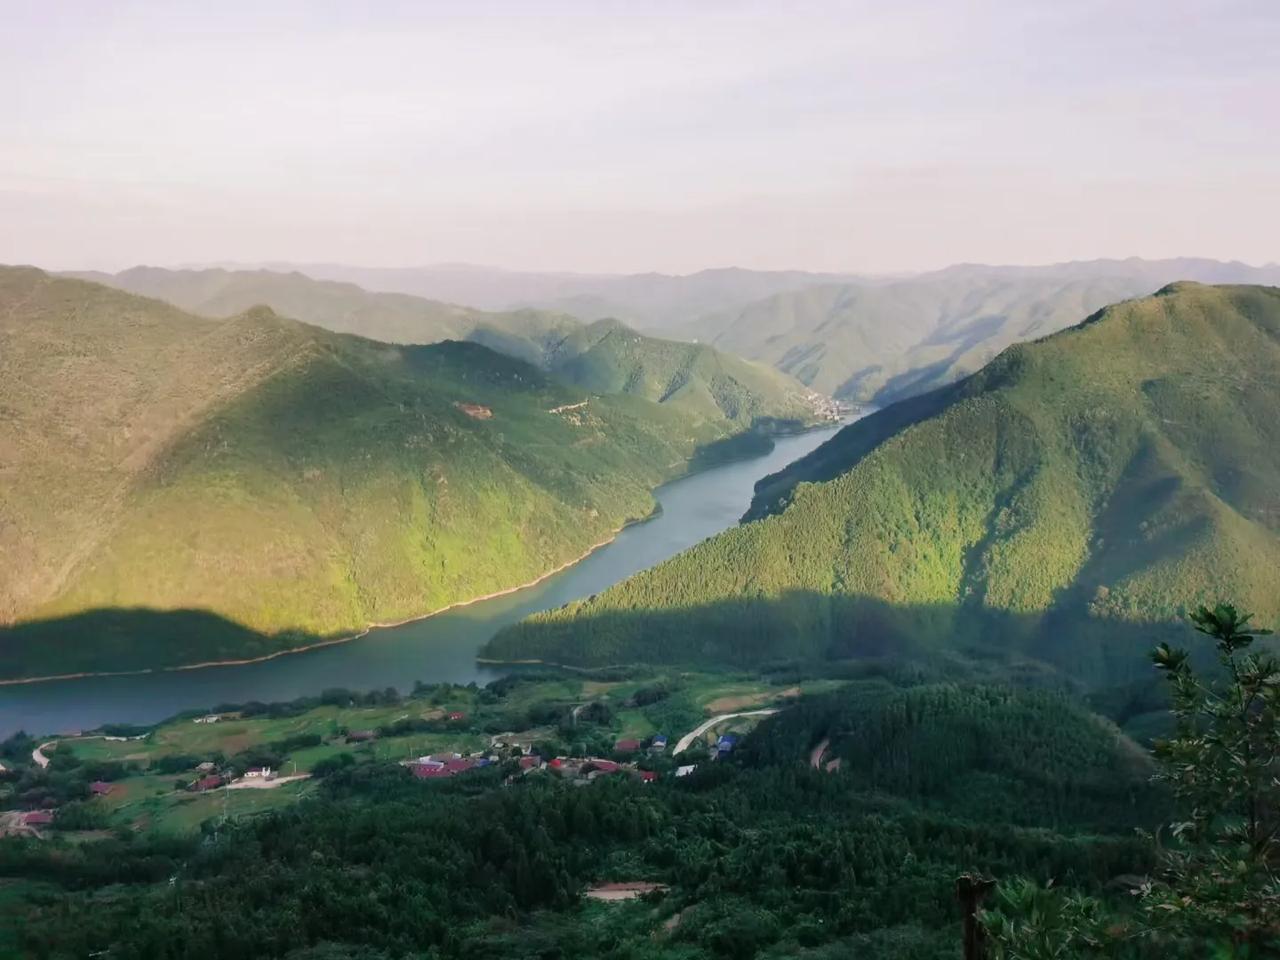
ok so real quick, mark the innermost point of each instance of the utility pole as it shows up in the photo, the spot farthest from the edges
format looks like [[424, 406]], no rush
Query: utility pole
[[971, 890]]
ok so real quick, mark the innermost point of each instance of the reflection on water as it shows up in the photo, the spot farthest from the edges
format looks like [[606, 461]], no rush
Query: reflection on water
[[437, 649]]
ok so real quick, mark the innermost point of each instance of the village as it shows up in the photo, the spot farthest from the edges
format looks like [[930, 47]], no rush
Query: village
[[578, 770], [201, 769]]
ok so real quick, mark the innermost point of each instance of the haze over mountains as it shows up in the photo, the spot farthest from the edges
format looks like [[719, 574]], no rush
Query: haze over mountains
[[296, 482], [604, 356], [883, 342], [1062, 505], [871, 339], [647, 301]]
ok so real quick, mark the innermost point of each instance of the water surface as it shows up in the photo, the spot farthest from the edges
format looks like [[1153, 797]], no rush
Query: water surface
[[437, 649]]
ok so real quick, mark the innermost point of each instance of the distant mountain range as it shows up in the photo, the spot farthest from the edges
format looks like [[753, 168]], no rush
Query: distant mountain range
[[1063, 506], [648, 301], [872, 339], [604, 356], [891, 340], [269, 483]]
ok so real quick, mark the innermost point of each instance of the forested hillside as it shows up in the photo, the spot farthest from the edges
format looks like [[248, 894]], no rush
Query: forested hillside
[[756, 855], [1061, 505], [294, 482], [604, 357], [881, 342]]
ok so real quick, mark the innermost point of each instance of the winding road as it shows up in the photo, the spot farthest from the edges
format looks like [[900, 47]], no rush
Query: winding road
[[684, 742]]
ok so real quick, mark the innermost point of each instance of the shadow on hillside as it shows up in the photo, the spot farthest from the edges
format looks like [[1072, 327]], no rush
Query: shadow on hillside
[[128, 639], [802, 627]]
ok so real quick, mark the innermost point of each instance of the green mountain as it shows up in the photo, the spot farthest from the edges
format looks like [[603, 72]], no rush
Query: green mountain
[[1060, 506], [604, 357], [295, 482], [882, 342]]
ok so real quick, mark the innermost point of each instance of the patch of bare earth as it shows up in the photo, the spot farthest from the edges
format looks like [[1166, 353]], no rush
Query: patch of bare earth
[[475, 410], [623, 891], [730, 704]]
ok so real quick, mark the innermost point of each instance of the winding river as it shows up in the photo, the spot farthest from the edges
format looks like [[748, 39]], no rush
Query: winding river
[[436, 649]]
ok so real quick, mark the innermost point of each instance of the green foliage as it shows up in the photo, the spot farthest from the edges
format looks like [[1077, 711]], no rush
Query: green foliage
[[1217, 877], [763, 855], [1031, 922], [1060, 506], [985, 753]]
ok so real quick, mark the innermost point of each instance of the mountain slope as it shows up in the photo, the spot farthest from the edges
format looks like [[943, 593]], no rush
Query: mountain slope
[[605, 357], [886, 341], [1060, 504], [291, 480]]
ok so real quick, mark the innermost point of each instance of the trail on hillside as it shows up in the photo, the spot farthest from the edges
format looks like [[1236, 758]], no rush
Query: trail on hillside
[[685, 741], [816, 754]]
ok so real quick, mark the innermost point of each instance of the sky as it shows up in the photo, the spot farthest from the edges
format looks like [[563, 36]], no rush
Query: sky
[[629, 137]]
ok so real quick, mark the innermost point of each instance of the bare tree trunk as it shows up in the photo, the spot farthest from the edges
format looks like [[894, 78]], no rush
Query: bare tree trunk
[[971, 890]]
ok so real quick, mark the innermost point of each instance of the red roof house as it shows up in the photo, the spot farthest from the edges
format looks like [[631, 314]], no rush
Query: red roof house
[[627, 746], [648, 776], [604, 766], [530, 763], [207, 783], [457, 716], [38, 818], [100, 788]]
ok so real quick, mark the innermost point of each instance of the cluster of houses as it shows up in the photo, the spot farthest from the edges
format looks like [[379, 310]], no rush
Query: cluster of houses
[[657, 744], [580, 770], [447, 765], [210, 779], [34, 819]]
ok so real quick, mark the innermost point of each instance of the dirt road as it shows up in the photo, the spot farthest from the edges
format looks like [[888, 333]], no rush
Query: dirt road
[[257, 783], [815, 756], [687, 740]]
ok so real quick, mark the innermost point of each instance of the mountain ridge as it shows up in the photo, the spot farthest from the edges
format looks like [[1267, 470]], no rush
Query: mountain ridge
[[1097, 479], [580, 353], [299, 482]]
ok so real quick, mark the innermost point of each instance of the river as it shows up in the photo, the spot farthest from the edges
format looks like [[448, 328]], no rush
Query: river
[[436, 649]]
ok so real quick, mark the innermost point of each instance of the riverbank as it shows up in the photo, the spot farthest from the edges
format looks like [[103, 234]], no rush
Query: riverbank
[[693, 469], [439, 647], [333, 641]]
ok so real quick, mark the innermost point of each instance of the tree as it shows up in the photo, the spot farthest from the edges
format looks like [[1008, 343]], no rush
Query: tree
[[1217, 881]]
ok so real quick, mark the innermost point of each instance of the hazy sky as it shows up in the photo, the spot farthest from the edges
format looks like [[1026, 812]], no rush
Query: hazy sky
[[639, 136]]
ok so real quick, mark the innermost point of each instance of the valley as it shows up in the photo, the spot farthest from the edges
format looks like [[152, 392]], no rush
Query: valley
[[440, 648], [606, 481], [193, 490], [1093, 484]]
